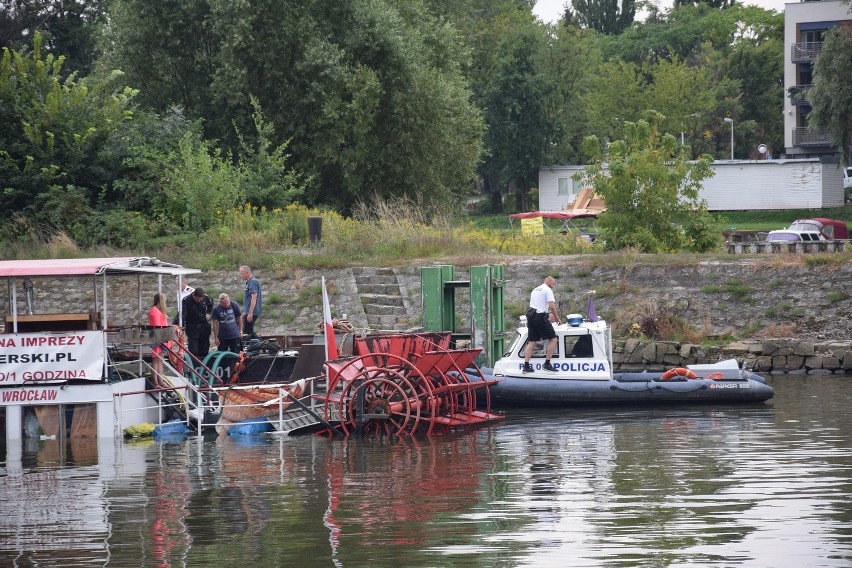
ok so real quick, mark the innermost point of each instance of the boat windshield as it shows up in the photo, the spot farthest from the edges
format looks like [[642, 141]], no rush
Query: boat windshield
[[513, 344], [782, 236]]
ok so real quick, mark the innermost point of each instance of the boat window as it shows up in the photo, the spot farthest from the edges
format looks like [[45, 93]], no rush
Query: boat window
[[578, 346], [513, 343], [539, 351]]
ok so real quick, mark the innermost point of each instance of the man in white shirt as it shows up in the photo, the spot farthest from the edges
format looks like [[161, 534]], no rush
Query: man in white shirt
[[540, 316]]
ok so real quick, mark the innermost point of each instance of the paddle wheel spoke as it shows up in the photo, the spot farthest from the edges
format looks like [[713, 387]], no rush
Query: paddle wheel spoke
[[379, 402]]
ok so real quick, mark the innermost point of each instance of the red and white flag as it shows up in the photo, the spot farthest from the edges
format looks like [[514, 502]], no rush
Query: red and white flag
[[330, 339]]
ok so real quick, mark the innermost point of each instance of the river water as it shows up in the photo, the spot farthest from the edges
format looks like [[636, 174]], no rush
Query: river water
[[759, 485]]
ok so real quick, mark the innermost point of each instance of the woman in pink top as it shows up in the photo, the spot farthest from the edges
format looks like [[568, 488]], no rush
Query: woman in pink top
[[157, 318]]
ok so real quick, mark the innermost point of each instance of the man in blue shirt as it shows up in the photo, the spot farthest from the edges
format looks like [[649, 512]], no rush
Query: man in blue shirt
[[251, 301], [227, 325]]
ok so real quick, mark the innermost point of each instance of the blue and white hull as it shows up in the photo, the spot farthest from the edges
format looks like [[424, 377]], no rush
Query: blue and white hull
[[584, 376]]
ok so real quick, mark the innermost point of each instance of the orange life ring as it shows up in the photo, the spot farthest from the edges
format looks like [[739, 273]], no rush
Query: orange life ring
[[678, 372]]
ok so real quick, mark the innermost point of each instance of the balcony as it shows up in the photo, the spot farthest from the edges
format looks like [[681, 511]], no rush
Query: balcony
[[805, 51], [799, 95], [811, 137]]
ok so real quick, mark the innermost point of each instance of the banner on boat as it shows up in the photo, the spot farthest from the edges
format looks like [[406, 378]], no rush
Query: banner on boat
[[33, 358]]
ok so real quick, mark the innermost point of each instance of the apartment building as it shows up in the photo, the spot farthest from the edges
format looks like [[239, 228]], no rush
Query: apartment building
[[805, 25]]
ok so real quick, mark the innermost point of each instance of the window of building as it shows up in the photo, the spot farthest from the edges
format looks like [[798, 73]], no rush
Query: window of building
[[813, 36], [564, 186]]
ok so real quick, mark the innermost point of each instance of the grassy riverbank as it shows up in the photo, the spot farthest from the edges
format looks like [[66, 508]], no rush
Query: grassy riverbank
[[725, 220], [391, 234]]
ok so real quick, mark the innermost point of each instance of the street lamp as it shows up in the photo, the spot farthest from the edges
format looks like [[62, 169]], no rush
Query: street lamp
[[731, 120]]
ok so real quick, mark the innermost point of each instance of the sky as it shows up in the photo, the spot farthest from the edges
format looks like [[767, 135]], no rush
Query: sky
[[551, 10]]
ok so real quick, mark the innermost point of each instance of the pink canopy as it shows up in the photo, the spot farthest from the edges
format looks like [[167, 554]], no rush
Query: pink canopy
[[65, 267], [562, 215], [56, 266]]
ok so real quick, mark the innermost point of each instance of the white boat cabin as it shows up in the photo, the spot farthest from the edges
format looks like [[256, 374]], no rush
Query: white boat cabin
[[583, 351]]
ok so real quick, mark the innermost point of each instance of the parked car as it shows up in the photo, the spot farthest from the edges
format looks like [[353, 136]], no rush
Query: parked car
[[807, 230], [847, 178]]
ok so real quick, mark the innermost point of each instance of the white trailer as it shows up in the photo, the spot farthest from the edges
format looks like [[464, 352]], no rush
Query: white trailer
[[737, 185]]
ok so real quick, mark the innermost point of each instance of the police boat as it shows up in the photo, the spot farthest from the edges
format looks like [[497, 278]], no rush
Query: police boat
[[584, 374]]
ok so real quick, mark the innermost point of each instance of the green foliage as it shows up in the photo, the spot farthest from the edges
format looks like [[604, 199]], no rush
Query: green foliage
[[510, 86], [836, 296], [266, 180], [359, 98], [833, 259], [366, 95], [651, 191], [68, 27], [733, 286], [831, 94], [606, 17], [54, 130], [198, 187]]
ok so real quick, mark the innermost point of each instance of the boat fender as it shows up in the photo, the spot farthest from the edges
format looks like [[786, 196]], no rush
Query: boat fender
[[251, 426], [678, 372], [170, 428]]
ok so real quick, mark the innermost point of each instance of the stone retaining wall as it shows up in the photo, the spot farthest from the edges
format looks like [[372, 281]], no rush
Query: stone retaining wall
[[747, 299], [771, 356]]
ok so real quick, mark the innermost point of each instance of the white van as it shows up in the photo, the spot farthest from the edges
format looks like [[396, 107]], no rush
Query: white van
[[847, 178]]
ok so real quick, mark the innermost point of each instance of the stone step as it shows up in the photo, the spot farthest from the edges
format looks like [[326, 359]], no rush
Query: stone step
[[373, 271], [382, 300], [376, 281], [384, 309], [388, 322], [380, 288]]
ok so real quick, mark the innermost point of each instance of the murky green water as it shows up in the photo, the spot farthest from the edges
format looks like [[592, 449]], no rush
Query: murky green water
[[765, 485]]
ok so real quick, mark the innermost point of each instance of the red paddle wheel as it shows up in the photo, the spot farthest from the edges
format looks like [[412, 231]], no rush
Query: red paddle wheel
[[403, 384]]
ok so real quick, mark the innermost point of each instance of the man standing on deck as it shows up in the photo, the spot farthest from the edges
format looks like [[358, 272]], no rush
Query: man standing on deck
[[195, 308], [227, 325], [539, 327], [251, 301]]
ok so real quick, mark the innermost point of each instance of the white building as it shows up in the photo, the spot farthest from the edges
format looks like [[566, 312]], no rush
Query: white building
[[805, 25], [737, 185]]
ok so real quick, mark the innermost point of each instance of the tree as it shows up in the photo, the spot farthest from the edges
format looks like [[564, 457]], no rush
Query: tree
[[605, 16], [722, 4], [67, 27], [831, 95], [509, 85], [650, 188], [605, 114], [53, 136], [370, 95]]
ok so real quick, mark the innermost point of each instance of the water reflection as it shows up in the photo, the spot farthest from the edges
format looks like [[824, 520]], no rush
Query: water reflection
[[765, 485]]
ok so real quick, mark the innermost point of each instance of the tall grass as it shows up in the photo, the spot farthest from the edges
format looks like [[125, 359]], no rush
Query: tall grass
[[381, 232], [387, 232]]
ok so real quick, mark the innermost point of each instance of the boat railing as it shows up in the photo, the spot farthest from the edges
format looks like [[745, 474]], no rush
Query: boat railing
[[158, 401], [286, 411], [187, 397]]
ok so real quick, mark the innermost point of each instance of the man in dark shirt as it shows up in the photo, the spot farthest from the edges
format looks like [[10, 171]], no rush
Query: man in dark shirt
[[227, 325], [194, 309]]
